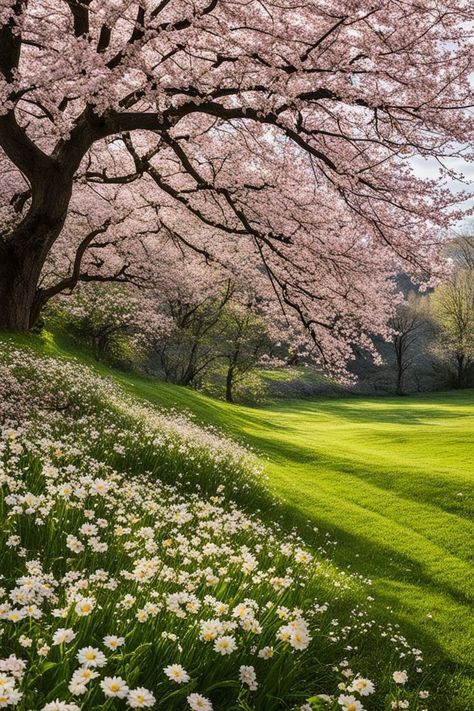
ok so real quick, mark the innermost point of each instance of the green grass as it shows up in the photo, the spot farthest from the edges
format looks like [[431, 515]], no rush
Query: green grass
[[383, 476]]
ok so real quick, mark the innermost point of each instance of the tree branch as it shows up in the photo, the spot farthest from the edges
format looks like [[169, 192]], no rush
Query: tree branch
[[71, 281], [10, 42], [80, 13]]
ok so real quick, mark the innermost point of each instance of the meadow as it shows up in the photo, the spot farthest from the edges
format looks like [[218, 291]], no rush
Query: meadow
[[391, 480], [387, 483]]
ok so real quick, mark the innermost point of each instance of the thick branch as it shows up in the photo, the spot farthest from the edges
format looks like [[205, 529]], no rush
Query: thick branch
[[71, 281], [20, 149], [80, 13], [10, 42]]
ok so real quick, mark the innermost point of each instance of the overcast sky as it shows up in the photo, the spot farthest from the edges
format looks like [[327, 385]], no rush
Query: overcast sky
[[429, 169]]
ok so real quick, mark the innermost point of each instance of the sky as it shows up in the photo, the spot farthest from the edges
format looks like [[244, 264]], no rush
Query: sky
[[429, 169]]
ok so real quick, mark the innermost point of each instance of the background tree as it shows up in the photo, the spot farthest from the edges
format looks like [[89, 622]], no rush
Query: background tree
[[245, 340], [453, 310], [116, 321], [409, 323], [277, 129], [192, 344]]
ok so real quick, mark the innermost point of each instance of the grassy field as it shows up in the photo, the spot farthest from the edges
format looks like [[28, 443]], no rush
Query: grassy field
[[391, 481]]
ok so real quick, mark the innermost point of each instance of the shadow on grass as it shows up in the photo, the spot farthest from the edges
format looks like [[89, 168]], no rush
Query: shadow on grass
[[401, 411], [383, 566], [377, 561], [402, 481]]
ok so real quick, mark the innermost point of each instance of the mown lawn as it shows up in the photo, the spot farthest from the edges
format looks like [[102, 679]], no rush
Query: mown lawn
[[391, 480]]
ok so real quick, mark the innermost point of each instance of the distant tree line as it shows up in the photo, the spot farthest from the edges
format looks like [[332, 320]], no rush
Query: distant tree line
[[212, 330], [432, 346]]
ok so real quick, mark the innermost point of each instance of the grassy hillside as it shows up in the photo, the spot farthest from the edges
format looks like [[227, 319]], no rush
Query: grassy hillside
[[391, 481]]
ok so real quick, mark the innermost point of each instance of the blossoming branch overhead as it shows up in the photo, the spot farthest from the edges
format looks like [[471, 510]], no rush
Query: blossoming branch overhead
[[280, 130]]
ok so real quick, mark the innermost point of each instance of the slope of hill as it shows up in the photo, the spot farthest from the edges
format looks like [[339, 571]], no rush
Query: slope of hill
[[388, 484]]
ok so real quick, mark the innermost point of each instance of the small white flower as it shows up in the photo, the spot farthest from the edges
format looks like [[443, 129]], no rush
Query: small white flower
[[140, 698], [84, 606], [91, 657], [74, 544], [350, 703], [225, 644], [88, 529], [247, 676], [6, 682], [63, 635], [14, 696], [112, 642], [363, 686], [114, 686], [400, 677], [25, 641], [176, 673], [199, 703], [76, 688], [84, 675]]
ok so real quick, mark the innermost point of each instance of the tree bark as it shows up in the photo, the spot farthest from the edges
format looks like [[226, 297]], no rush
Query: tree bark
[[398, 344], [23, 251], [460, 371], [19, 275], [229, 384], [399, 388]]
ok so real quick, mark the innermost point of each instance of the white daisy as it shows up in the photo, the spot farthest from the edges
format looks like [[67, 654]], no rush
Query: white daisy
[[176, 673], [91, 657], [114, 686], [199, 703], [140, 698], [113, 642], [225, 644], [63, 635]]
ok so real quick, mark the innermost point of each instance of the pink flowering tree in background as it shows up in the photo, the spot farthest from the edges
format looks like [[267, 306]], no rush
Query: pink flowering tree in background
[[273, 138]]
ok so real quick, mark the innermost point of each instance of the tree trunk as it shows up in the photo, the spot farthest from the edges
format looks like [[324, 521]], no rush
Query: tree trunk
[[190, 371], [460, 370], [399, 352], [23, 252], [19, 302], [229, 384], [399, 388], [188, 376]]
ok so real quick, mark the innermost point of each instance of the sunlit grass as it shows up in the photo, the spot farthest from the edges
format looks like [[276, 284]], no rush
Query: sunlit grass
[[391, 481]]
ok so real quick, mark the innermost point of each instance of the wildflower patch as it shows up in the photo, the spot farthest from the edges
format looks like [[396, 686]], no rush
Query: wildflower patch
[[132, 578]]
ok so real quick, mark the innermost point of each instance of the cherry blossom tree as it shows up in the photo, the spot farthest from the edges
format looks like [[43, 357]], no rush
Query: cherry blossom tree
[[110, 318], [277, 131], [194, 305]]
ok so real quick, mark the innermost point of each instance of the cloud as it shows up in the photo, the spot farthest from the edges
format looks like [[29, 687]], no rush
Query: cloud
[[430, 168]]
